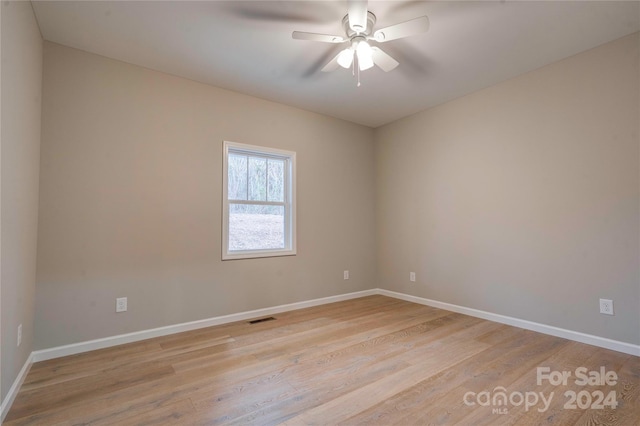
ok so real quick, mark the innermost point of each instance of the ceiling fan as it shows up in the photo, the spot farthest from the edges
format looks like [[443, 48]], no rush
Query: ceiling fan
[[358, 27]]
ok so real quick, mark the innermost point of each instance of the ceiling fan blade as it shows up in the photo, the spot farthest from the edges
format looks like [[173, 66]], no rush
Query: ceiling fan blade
[[382, 60], [332, 65], [404, 29], [325, 38], [358, 15]]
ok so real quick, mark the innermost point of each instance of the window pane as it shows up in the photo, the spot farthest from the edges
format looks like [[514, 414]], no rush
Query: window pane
[[255, 227], [237, 177], [257, 179], [275, 180]]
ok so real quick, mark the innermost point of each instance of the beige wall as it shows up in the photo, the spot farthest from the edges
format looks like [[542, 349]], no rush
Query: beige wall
[[522, 199], [130, 201], [21, 106]]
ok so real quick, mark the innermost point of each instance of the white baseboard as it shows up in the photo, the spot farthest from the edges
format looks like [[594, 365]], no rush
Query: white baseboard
[[75, 348], [15, 387], [615, 345]]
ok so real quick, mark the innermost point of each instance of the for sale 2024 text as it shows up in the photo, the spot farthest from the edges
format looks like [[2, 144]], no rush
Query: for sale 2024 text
[[584, 399]]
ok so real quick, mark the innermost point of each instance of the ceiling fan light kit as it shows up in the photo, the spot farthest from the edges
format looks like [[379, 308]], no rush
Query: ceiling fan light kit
[[358, 28]]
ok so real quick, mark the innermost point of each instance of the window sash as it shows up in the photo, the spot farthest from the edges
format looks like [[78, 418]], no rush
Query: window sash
[[285, 159]]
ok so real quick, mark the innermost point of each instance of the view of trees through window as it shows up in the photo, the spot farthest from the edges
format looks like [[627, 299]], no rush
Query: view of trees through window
[[256, 193]]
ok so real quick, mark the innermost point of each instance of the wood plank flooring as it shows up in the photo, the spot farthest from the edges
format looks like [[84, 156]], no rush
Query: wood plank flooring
[[374, 360]]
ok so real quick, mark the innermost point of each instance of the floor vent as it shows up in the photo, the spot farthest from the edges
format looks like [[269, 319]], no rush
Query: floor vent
[[256, 321]]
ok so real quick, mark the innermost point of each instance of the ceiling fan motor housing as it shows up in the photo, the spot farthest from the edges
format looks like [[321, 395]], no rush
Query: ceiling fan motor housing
[[371, 20]]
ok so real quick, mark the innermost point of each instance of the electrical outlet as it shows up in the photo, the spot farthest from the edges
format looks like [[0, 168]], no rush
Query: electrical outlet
[[19, 334], [346, 275], [606, 306], [121, 304], [412, 277]]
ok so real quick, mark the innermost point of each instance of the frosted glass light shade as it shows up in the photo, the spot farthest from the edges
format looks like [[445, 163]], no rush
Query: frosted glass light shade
[[365, 55], [345, 58]]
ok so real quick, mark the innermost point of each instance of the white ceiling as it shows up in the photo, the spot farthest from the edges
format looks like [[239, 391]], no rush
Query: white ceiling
[[247, 46]]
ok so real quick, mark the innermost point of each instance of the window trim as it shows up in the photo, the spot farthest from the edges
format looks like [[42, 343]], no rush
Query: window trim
[[289, 202]]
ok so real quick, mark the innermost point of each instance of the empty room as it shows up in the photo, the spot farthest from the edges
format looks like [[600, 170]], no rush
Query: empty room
[[320, 212]]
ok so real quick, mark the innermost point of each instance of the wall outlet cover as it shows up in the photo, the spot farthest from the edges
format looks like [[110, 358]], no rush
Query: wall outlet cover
[[606, 306], [121, 304]]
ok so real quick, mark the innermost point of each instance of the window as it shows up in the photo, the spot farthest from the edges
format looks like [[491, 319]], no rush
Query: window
[[258, 202]]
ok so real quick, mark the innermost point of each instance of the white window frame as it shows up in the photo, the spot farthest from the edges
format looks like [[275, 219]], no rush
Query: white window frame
[[289, 201]]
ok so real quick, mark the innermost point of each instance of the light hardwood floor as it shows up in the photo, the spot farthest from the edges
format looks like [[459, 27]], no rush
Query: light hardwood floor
[[374, 360]]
